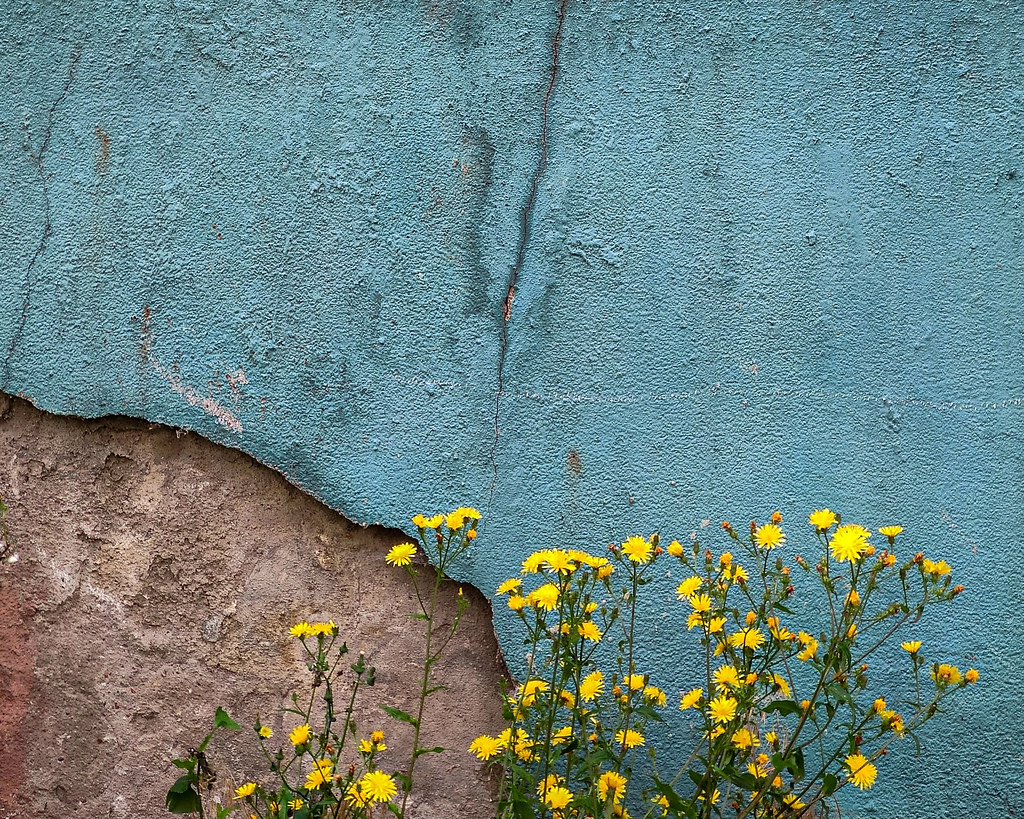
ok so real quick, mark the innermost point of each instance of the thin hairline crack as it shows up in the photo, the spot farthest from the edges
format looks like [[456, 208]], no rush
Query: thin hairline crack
[[526, 216]]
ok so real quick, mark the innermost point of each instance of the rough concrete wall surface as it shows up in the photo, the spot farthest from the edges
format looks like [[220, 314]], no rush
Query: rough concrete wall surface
[[152, 576], [597, 268]]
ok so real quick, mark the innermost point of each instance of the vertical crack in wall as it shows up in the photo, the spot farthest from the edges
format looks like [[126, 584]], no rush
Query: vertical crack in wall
[[37, 161], [524, 231]]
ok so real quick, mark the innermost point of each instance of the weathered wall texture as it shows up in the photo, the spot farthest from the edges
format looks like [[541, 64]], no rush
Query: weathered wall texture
[[152, 576], [762, 255]]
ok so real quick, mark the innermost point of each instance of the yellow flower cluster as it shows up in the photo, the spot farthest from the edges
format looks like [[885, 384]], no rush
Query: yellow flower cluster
[[304, 630]]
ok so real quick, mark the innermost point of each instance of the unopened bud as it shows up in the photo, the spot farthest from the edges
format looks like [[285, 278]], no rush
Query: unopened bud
[[957, 590], [753, 526], [776, 517], [726, 525]]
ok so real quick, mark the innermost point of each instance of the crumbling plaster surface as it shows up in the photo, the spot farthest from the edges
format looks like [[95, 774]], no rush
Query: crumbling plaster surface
[[762, 255], [152, 576]]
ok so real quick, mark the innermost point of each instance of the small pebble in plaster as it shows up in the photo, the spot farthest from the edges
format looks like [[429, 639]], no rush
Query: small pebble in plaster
[[812, 237], [211, 628], [13, 558]]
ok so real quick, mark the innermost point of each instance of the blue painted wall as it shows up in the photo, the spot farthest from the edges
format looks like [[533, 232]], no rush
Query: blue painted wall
[[773, 260]]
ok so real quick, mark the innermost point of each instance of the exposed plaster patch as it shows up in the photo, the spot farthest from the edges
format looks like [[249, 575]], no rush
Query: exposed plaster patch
[[37, 161]]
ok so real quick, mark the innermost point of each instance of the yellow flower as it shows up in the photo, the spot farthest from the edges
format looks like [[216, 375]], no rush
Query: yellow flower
[[377, 737], [822, 519], [589, 631], [509, 585], [743, 738], [938, 569], [946, 674], [557, 797], [793, 801], [355, 797], [567, 698], [455, 519], [422, 522], [695, 618], [810, 648], [559, 561], [911, 646], [716, 624], [722, 708], [629, 738], [655, 695], [862, 772], [770, 738], [401, 555], [739, 574], [365, 746], [751, 638], [971, 676], [545, 597], [769, 536], [322, 629], [300, 630], [780, 681], [634, 681], [517, 603], [637, 549], [853, 599], [320, 775], [725, 559], [592, 686], [485, 747], [777, 631], [296, 803], [726, 675], [688, 587], [300, 735], [879, 705], [530, 689], [890, 531], [245, 790], [611, 783], [265, 732], [605, 571], [700, 602], [533, 562], [675, 548], [690, 698], [377, 786], [562, 734], [848, 542]]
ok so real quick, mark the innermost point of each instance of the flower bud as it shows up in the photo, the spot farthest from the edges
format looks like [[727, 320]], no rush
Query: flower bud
[[776, 517]]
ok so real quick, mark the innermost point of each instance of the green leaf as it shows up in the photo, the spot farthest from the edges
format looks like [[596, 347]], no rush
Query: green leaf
[[185, 764], [222, 720], [435, 750], [436, 688], [828, 784], [418, 616], [783, 707], [399, 714], [222, 811], [183, 797]]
